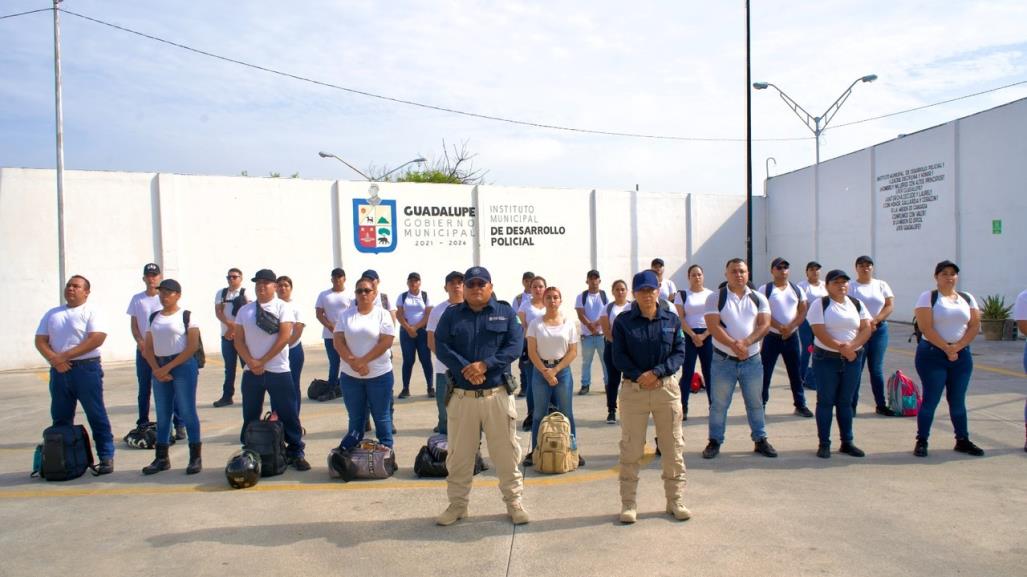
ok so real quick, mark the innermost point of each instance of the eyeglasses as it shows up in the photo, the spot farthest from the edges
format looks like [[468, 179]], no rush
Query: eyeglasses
[[363, 291], [232, 276], [781, 267], [475, 283]]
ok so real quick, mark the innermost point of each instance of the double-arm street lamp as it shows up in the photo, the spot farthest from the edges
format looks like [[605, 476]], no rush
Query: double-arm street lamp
[[366, 177]]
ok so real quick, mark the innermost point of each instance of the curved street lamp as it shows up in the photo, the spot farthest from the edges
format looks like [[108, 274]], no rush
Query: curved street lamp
[[366, 177]]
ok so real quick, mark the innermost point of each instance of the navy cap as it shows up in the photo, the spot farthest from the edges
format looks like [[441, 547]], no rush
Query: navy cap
[[528, 275], [944, 265], [454, 275], [592, 274], [864, 259], [170, 284], [414, 276], [370, 273], [837, 274], [338, 273], [657, 262], [778, 262], [645, 280], [151, 269], [477, 272], [265, 274], [813, 264]]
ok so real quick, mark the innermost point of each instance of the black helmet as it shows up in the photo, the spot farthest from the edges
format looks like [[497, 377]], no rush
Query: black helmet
[[341, 465], [243, 469]]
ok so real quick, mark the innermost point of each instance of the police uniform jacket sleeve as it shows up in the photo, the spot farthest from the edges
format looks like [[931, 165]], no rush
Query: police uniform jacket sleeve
[[641, 345], [492, 335]]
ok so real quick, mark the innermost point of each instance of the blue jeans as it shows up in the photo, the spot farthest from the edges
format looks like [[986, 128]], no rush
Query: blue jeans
[[280, 388], [874, 357], [809, 379], [774, 346], [82, 384], [590, 345], [409, 346], [231, 358], [613, 382], [526, 378], [144, 375], [177, 396], [296, 359], [441, 387], [333, 364], [705, 356], [363, 394], [559, 395], [837, 381], [939, 375], [724, 373]]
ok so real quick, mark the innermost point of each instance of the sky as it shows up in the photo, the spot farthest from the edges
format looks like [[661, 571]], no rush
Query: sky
[[655, 68]]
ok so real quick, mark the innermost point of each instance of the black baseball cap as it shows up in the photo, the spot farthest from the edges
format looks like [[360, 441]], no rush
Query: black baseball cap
[[813, 264], [338, 273], [414, 276], [779, 262], [370, 273], [592, 274], [864, 260], [528, 275], [836, 274], [477, 272], [170, 284], [265, 274], [455, 275], [151, 269], [944, 265], [657, 262]]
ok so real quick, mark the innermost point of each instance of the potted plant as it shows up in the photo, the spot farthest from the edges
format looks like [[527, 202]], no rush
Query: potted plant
[[994, 315]]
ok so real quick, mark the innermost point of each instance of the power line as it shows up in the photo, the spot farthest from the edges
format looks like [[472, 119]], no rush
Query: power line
[[24, 13]]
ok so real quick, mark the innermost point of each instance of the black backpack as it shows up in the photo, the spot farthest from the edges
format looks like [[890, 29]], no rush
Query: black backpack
[[825, 302], [403, 298], [602, 297], [237, 302], [317, 388], [769, 288], [431, 461], [722, 300], [267, 438], [917, 333], [199, 355], [65, 453]]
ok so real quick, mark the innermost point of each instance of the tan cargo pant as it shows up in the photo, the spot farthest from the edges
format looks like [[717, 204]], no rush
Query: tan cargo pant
[[664, 403], [467, 415]]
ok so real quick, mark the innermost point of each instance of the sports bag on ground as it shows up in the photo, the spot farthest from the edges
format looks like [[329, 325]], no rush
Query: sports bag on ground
[[431, 459], [903, 394], [367, 460], [697, 383], [553, 453], [266, 437], [65, 453], [317, 388]]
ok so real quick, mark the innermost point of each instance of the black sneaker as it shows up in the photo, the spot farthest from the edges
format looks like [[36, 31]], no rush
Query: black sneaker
[[521, 393], [920, 450], [180, 432], [712, 450], [656, 441], [223, 402], [583, 390], [300, 464], [850, 449], [885, 412], [684, 415], [435, 429], [106, 467], [404, 393], [611, 417], [528, 461], [764, 448], [431, 392], [803, 412], [394, 431], [581, 461], [824, 451], [967, 446], [526, 426]]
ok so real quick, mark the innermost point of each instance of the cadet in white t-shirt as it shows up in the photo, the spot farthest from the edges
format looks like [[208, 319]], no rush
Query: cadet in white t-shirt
[[589, 306], [227, 302], [524, 363], [412, 310], [69, 338], [455, 290], [262, 340], [738, 317], [296, 355], [1020, 316], [552, 346], [814, 289], [787, 312], [140, 307], [691, 307], [949, 320], [841, 326], [879, 300], [530, 310], [619, 304], [668, 290], [171, 340], [329, 306], [363, 337]]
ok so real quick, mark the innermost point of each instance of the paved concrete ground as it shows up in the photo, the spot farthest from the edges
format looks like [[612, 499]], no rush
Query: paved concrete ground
[[887, 514]]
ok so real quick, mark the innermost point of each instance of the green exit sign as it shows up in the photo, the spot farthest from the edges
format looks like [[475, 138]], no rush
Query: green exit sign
[[996, 227]]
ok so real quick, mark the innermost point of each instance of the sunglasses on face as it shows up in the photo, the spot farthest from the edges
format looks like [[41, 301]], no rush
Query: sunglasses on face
[[476, 283], [232, 276], [781, 267], [363, 291]]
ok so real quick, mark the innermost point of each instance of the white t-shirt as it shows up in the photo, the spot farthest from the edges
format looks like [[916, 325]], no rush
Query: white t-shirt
[[739, 317], [519, 299], [433, 322], [694, 308], [378, 301], [68, 327], [593, 307], [334, 303], [612, 310], [552, 341], [530, 312], [668, 289], [784, 303], [813, 292], [298, 320], [840, 319], [872, 295], [1020, 308], [259, 342], [169, 333], [950, 317], [227, 301], [141, 307], [362, 334], [414, 306]]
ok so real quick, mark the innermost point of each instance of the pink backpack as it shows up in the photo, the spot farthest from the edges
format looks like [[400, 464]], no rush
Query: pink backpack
[[904, 395]]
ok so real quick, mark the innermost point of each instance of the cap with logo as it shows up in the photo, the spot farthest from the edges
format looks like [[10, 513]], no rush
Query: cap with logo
[[151, 269], [477, 272]]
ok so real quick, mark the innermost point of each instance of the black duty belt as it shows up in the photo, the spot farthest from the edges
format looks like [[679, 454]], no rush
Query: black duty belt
[[826, 353], [81, 362], [475, 393], [551, 364], [726, 356]]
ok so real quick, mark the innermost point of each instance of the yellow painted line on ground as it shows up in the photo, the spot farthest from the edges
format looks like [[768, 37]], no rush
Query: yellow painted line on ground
[[977, 366], [272, 487], [43, 376]]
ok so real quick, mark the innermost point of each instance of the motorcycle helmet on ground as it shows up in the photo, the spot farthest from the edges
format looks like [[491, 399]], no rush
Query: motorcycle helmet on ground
[[243, 469]]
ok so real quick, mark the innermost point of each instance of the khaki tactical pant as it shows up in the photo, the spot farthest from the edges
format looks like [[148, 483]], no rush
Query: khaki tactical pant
[[467, 416], [664, 403]]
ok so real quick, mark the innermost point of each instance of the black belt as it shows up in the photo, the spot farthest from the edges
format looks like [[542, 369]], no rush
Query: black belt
[[476, 393], [826, 353], [81, 362], [726, 356], [551, 364], [165, 360]]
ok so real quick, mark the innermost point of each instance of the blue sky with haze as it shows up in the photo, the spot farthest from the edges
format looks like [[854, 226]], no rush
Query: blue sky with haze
[[667, 68]]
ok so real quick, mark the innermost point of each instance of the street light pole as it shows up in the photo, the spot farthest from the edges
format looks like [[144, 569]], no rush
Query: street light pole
[[386, 175], [817, 125], [366, 177], [59, 112]]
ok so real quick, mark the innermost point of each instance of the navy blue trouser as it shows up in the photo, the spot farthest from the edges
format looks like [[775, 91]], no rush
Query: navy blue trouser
[[837, 381], [874, 359], [613, 382], [144, 375], [231, 357], [280, 388], [774, 346], [83, 384], [296, 359], [704, 355], [333, 365], [939, 376], [419, 346]]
